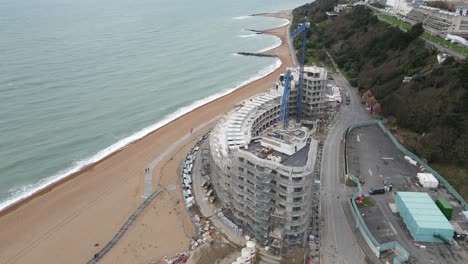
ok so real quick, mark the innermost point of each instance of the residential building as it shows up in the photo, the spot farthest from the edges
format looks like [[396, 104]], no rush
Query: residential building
[[439, 21], [263, 173]]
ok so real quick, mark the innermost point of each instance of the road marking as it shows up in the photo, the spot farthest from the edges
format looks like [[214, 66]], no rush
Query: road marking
[[391, 226], [358, 139], [370, 173], [387, 158]]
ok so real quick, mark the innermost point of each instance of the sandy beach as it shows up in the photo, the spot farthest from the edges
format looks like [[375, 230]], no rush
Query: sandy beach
[[73, 219]]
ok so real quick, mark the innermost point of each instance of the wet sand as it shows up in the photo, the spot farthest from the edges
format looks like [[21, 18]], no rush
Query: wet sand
[[73, 219]]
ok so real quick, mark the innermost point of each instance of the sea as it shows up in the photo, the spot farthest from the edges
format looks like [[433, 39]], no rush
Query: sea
[[80, 79]]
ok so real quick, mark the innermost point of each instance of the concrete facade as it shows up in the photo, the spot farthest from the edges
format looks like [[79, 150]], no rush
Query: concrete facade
[[440, 21], [262, 173], [314, 97]]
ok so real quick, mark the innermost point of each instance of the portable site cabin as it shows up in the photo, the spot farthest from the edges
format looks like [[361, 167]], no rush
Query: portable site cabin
[[422, 217], [465, 216], [428, 180], [445, 207]]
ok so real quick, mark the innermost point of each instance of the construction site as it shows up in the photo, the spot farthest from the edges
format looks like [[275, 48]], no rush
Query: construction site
[[262, 161], [258, 177]]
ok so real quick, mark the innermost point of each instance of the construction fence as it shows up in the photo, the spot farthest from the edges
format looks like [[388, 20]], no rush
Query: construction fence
[[376, 247], [402, 254]]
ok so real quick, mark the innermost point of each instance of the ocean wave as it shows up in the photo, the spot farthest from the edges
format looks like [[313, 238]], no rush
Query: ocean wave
[[22, 192], [286, 22], [249, 35], [278, 43], [240, 17]]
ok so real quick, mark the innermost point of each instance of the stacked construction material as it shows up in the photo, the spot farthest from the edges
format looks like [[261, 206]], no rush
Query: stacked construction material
[[422, 217]]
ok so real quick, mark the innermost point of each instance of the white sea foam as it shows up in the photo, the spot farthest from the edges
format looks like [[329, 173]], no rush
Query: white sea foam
[[249, 35], [240, 17], [278, 43], [25, 191], [286, 22]]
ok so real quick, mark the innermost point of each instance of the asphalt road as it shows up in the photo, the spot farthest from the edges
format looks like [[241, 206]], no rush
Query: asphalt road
[[338, 243]]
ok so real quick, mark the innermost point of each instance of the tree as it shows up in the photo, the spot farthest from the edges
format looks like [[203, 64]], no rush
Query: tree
[[415, 32]]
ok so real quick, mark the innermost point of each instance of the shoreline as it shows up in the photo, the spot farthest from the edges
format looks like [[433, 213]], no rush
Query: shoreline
[[165, 121], [50, 182], [72, 181]]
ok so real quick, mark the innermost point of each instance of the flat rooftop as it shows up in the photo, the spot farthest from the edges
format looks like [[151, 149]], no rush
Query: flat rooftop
[[289, 137], [298, 159], [424, 210]]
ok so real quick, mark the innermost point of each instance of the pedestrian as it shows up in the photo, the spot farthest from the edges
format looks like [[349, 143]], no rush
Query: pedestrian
[[191, 130]]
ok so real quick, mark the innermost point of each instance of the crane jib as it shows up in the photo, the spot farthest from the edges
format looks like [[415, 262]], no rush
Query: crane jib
[[296, 32]]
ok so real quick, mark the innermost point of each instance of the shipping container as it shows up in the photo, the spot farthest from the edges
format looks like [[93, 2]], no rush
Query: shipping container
[[445, 207]]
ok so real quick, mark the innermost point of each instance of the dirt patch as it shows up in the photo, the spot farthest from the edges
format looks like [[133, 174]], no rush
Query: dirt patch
[[295, 255], [216, 253]]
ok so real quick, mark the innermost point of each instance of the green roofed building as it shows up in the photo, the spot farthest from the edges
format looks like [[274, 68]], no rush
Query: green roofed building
[[423, 218]]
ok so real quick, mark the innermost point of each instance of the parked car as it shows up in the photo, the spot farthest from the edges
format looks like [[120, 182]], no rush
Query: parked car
[[377, 190]]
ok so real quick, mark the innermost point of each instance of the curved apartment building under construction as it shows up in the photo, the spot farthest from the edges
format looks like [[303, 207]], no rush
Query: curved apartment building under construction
[[263, 173]]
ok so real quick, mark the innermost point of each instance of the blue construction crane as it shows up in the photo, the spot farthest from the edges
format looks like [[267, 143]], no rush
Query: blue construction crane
[[301, 28], [284, 110]]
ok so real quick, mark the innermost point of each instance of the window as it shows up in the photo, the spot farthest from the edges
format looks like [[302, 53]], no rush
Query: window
[[295, 228], [298, 190], [241, 169], [272, 191], [297, 199], [273, 182], [296, 218], [249, 182], [241, 187], [273, 172], [297, 209], [284, 177], [282, 206], [282, 197], [250, 163], [250, 173], [282, 187], [241, 178], [241, 160], [260, 168]]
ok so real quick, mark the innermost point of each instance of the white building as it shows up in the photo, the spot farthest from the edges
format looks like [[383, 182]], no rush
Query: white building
[[262, 172], [314, 101], [440, 21], [401, 7]]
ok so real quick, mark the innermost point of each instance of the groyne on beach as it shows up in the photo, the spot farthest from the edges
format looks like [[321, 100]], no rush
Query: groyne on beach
[[79, 214]]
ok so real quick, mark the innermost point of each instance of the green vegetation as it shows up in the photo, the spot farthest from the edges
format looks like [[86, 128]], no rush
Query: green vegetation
[[426, 35], [456, 175], [376, 56], [350, 183], [397, 22], [367, 202], [445, 43]]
